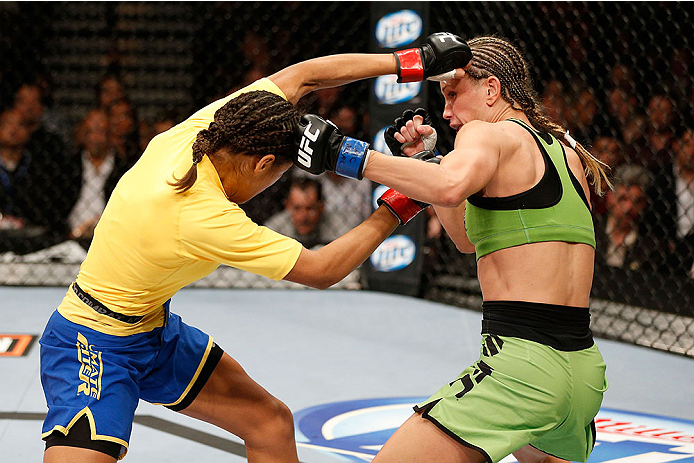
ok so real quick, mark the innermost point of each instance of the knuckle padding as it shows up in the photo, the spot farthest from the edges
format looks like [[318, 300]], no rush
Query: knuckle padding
[[399, 123]]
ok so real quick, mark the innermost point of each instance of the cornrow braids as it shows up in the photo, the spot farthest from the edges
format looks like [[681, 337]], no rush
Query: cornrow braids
[[498, 57], [253, 123]]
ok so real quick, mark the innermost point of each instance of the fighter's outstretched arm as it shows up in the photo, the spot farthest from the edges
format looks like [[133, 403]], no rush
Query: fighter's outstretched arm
[[302, 78], [439, 54]]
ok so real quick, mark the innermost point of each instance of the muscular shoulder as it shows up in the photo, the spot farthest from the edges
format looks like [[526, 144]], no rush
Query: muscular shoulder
[[490, 133], [574, 160], [476, 129], [501, 137]]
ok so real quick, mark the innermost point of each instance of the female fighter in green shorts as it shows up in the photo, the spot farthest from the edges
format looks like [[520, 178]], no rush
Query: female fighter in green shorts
[[514, 191]]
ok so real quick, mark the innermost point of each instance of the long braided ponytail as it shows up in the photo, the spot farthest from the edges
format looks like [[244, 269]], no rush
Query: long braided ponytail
[[253, 123], [498, 57]]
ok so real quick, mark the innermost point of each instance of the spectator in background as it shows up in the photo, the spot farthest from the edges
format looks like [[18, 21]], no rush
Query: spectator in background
[[14, 136], [684, 182], [682, 259], [124, 130], [608, 150], [109, 90], [581, 115], [621, 107], [33, 101], [660, 125], [305, 218], [624, 242], [323, 101], [35, 188], [657, 156], [98, 171], [43, 126], [554, 102], [27, 101], [621, 77], [633, 134], [346, 118]]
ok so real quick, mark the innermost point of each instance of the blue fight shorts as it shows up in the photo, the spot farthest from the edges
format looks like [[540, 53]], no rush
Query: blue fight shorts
[[86, 373]]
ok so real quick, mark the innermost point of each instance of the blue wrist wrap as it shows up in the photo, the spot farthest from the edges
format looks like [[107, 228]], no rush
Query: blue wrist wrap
[[350, 161]]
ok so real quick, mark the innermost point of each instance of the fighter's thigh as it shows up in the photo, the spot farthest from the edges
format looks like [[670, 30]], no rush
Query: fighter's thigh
[[530, 454], [233, 401], [73, 454], [420, 440]]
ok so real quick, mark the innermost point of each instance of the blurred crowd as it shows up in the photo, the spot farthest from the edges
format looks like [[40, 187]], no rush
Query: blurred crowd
[[646, 222], [56, 176]]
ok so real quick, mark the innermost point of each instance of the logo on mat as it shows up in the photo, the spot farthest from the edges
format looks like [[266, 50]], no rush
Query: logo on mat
[[356, 430], [388, 91], [15, 345], [399, 28], [395, 253]]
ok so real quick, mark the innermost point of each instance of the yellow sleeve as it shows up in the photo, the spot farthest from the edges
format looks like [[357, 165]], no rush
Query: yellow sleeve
[[202, 118], [223, 233]]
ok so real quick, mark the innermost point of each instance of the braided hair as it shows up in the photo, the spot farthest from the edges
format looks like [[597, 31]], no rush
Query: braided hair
[[253, 123], [498, 57]]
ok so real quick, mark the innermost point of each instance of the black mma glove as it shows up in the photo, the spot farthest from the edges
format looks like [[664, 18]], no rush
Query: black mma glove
[[401, 206], [320, 146], [394, 145], [440, 53]]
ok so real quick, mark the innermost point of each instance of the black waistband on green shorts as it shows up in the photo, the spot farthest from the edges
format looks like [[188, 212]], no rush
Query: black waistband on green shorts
[[561, 327]]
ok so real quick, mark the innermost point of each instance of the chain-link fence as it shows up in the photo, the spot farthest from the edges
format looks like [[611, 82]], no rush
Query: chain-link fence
[[88, 83]]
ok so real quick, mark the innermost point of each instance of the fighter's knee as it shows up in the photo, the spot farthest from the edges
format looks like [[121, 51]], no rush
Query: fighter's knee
[[276, 422]]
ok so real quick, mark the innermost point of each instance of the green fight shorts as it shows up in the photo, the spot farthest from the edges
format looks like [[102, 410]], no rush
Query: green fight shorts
[[523, 392]]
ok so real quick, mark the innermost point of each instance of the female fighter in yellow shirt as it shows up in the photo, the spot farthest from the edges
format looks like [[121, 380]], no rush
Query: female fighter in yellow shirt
[[113, 341]]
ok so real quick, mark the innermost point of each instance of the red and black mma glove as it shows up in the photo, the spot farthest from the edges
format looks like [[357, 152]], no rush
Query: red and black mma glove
[[440, 53], [395, 146], [403, 207], [320, 146]]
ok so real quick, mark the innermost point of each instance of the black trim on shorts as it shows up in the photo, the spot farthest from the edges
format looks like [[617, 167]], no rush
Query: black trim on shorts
[[425, 414], [594, 432], [80, 435], [213, 359]]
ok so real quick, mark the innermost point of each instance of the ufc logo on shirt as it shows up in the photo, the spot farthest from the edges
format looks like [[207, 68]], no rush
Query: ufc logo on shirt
[[305, 151]]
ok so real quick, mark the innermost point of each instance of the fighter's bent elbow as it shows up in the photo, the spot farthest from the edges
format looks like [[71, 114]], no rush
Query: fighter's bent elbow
[[312, 270], [450, 196]]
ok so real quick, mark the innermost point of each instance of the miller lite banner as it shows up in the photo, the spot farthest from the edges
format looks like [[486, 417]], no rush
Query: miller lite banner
[[396, 265]]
